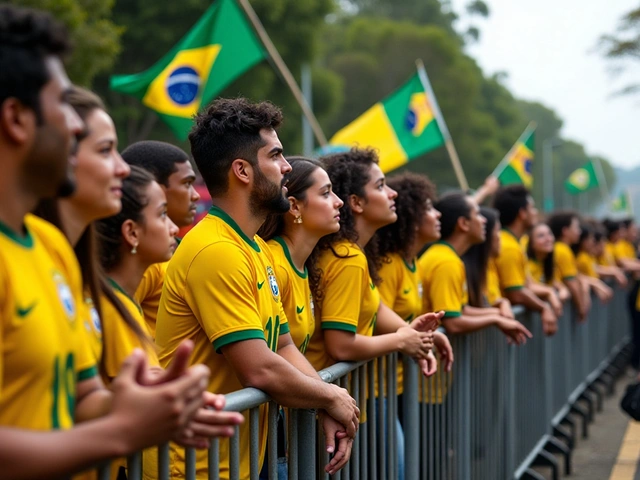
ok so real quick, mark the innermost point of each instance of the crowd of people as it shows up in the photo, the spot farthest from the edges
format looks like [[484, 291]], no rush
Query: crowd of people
[[117, 336]]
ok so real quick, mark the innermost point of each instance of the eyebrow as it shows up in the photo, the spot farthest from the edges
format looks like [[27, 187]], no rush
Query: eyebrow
[[276, 150], [326, 185], [381, 179]]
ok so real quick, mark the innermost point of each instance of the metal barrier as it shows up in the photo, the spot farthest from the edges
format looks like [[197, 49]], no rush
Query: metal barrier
[[500, 410]]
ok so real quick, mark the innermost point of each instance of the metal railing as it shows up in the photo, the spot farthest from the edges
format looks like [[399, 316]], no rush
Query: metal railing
[[501, 409]]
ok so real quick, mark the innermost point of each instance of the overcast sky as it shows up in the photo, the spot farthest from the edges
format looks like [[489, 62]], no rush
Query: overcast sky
[[546, 48]]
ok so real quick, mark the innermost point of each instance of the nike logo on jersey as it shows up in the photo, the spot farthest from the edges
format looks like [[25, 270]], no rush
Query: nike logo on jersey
[[260, 284], [406, 291], [299, 309], [372, 286], [23, 312]]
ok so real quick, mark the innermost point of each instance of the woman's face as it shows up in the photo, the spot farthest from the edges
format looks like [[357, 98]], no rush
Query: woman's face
[[379, 207], [429, 228], [542, 239], [100, 169], [320, 211], [588, 244], [156, 234]]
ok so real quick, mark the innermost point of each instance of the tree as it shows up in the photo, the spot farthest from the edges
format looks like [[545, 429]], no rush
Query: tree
[[624, 46], [95, 37]]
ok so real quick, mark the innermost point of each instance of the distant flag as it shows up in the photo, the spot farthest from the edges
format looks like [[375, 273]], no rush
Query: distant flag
[[517, 165], [219, 48], [622, 203], [582, 179], [401, 127]]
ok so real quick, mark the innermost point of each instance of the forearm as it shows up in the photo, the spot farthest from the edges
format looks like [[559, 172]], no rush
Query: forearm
[[26, 454], [577, 294], [541, 291], [355, 347], [388, 321], [468, 324], [630, 265], [94, 405], [479, 311], [292, 355], [525, 297]]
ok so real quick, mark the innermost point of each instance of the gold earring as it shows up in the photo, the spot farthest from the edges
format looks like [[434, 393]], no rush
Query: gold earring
[[298, 219], [134, 250]]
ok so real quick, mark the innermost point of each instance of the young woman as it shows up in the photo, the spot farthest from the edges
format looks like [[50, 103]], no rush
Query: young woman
[[314, 213], [482, 277], [605, 263], [541, 263], [585, 251]]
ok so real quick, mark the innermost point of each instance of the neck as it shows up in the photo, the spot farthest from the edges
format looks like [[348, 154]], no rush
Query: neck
[[15, 203], [460, 243], [517, 228], [128, 274], [414, 249], [74, 221], [540, 256], [300, 244], [365, 232], [238, 209]]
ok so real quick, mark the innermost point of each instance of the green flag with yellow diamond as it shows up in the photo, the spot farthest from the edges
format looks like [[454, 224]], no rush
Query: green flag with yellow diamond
[[217, 50], [582, 179]]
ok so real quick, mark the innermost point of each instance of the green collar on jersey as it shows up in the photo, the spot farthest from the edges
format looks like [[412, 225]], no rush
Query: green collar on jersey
[[117, 287], [25, 240], [411, 266], [442, 242], [224, 216], [287, 254]]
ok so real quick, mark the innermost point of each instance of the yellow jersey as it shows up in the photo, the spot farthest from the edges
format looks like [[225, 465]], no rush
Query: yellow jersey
[[148, 294], [511, 264], [401, 290], [295, 294], [493, 293], [623, 249], [536, 270], [444, 280], [350, 299], [93, 325], [43, 348], [586, 264], [220, 288], [564, 261]]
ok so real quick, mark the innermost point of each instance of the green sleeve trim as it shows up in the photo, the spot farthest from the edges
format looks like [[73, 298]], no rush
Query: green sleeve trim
[[284, 328], [570, 277], [515, 287], [452, 314], [87, 373], [237, 337], [339, 326]]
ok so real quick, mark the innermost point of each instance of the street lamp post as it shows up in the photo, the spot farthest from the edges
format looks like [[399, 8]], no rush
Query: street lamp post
[[547, 169]]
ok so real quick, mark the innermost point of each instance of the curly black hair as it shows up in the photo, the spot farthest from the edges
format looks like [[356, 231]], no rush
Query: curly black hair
[[349, 172], [26, 37], [411, 204], [229, 128]]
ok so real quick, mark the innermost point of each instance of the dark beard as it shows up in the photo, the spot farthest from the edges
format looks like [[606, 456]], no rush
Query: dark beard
[[266, 196]]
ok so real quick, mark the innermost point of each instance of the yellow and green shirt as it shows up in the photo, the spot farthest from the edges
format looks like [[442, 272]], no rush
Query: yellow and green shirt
[[43, 348], [493, 293], [444, 280], [564, 261], [220, 288], [149, 292], [511, 264], [295, 294], [350, 299], [586, 264], [623, 249], [536, 270]]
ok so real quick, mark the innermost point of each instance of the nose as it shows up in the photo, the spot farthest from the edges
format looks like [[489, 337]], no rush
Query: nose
[[195, 196], [392, 193], [122, 168], [483, 219], [438, 214], [286, 166], [173, 228], [338, 203]]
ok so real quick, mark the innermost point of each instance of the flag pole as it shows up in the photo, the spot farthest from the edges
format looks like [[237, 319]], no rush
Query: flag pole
[[282, 68], [505, 160], [602, 181], [448, 141]]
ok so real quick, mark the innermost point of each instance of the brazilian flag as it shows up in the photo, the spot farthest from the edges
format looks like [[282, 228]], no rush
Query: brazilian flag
[[217, 50]]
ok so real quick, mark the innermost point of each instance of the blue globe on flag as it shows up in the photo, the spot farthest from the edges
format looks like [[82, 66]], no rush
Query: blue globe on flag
[[183, 85]]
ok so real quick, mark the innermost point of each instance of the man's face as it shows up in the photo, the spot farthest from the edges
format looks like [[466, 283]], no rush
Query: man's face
[[181, 195], [477, 223], [268, 194], [46, 169]]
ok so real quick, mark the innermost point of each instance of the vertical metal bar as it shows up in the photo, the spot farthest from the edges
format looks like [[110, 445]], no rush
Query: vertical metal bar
[[371, 420], [355, 454], [254, 444], [214, 460], [293, 450], [411, 414], [274, 412], [134, 466], [363, 436], [163, 462], [190, 464], [234, 455], [391, 416], [323, 456], [104, 472], [382, 440], [306, 434]]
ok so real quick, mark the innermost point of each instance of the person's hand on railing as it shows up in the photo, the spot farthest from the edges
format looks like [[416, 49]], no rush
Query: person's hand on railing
[[621, 278], [414, 343], [208, 422], [515, 331], [603, 292], [427, 322], [443, 345], [505, 308], [549, 321], [556, 303], [174, 403], [428, 365], [335, 435], [344, 410]]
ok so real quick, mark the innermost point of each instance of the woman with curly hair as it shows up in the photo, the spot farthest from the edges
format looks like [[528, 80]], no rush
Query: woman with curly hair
[[292, 237]]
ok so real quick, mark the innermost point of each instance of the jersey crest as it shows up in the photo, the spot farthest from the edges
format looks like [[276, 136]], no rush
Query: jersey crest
[[273, 284], [65, 296]]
